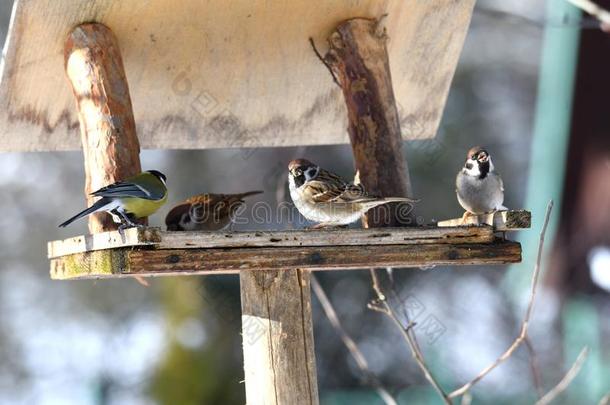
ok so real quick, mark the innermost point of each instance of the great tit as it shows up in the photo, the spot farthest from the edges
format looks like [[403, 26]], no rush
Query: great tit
[[136, 197]]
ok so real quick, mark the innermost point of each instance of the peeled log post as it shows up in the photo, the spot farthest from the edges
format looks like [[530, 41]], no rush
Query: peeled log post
[[359, 59], [111, 149], [277, 335]]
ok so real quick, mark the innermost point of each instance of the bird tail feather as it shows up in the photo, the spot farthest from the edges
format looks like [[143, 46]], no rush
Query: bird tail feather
[[97, 206], [400, 199], [249, 193]]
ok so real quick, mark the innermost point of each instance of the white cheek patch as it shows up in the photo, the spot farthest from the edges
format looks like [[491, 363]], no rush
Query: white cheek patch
[[474, 168], [311, 173]]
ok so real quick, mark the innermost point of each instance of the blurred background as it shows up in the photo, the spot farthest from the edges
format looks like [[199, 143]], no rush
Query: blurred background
[[531, 86]]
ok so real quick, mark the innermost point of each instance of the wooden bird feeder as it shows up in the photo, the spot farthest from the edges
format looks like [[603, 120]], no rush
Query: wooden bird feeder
[[214, 74]]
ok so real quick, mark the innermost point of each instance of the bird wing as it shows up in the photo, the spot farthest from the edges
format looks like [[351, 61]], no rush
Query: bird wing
[[218, 205], [328, 187], [325, 187], [125, 189]]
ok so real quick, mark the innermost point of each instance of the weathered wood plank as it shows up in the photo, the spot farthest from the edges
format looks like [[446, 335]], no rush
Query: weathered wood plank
[[278, 344], [501, 221], [103, 240], [209, 74], [143, 262], [297, 238], [326, 237]]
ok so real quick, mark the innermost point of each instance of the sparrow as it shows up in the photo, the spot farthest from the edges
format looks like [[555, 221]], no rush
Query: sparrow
[[479, 187], [136, 197], [323, 197], [206, 212]]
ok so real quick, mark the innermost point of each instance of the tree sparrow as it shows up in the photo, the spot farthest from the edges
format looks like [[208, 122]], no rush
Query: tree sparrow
[[322, 196], [479, 188], [206, 212]]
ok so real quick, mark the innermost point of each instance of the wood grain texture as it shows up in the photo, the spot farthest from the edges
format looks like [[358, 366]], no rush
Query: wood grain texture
[[296, 238], [359, 59], [224, 74], [102, 241], [278, 345], [150, 262], [111, 149], [502, 221]]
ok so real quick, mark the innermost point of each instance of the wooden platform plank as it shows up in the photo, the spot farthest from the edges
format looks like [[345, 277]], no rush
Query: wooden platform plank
[[172, 262], [297, 238], [211, 74], [103, 240], [501, 221]]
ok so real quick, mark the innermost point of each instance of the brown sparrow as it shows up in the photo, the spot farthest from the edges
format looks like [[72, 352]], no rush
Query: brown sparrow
[[205, 212], [322, 196], [479, 187]]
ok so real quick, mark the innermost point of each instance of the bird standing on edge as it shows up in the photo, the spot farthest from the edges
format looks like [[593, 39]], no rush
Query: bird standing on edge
[[479, 187], [322, 196], [136, 197], [206, 212]]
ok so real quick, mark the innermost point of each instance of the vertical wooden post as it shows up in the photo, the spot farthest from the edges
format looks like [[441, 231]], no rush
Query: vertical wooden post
[[279, 359], [111, 149], [359, 59]]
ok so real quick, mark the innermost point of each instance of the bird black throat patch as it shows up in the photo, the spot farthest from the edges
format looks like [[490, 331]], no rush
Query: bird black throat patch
[[299, 180], [483, 169]]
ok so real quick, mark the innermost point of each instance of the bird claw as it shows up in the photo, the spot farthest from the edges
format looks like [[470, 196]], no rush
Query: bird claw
[[466, 215], [121, 230]]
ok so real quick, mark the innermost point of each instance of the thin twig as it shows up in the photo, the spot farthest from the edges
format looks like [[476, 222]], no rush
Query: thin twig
[[406, 333], [466, 399], [524, 325], [566, 380], [536, 376], [324, 62], [593, 9], [357, 355]]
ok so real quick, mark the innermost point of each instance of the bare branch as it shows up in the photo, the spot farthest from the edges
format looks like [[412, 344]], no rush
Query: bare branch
[[406, 333], [466, 399], [523, 334], [593, 9], [605, 400], [324, 62], [536, 376], [357, 355], [566, 380]]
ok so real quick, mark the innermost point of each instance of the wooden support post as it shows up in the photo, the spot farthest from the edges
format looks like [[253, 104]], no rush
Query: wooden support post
[[279, 359], [359, 59], [111, 149]]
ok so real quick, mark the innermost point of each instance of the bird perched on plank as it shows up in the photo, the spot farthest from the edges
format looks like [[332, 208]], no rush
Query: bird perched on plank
[[136, 197], [323, 197], [479, 187], [206, 212]]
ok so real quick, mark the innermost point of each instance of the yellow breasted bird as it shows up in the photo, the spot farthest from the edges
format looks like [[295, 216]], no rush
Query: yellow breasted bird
[[136, 197], [206, 212]]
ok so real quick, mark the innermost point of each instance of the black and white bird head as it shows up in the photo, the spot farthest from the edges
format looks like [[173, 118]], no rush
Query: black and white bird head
[[478, 163], [301, 171], [158, 175]]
